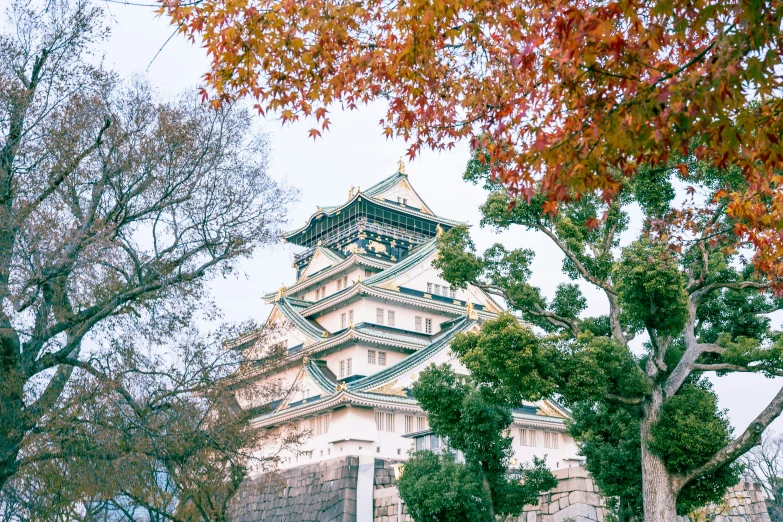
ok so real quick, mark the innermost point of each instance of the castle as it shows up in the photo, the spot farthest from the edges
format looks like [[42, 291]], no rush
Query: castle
[[366, 313]]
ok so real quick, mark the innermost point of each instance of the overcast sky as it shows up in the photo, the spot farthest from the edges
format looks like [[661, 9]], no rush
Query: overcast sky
[[354, 152]]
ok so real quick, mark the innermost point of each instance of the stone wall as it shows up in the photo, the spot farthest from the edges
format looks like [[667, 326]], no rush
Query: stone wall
[[327, 492], [576, 498], [322, 492]]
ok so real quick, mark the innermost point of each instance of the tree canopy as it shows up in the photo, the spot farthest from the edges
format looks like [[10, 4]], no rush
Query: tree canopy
[[565, 96], [683, 280], [116, 207], [473, 421]]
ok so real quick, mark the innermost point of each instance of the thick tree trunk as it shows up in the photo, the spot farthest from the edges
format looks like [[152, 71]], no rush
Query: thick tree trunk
[[660, 499], [12, 422]]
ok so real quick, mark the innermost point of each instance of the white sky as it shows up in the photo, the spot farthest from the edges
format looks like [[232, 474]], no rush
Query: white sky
[[354, 152]]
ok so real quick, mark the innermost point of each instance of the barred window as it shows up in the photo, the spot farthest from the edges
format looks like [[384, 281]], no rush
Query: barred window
[[551, 439], [418, 323], [381, 358], [379, 315], [349, 367], [390, 318], [384, 421], [339, 284], [437, 289], [422, 423], [409, 424], [342, 369], [343, 322], [350, 315], [389, 422], [371, 356], [367, 273], [428, 325], [429, 288], [451, 293], [320, 425], [345, 281], [527, 437]]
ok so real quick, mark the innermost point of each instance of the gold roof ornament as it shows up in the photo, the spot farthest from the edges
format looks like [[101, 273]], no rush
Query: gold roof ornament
[[350, 325], [325, 335], [439, 230], [471, 311], [401, 166], [305, 360], [350, 192], [359, 279], [280, 293], [341, 387], [320, 242]]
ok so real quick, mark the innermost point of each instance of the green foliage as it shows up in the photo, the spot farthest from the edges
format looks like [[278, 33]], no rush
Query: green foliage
[[457, 258], [651, 288], [608, 437], [653, 190], [435, 488], [690, 431], [568, 301], [473, 420], [509, 358]]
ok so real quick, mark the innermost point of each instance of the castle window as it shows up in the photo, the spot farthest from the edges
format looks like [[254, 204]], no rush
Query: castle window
[[349, 366], [418, 323], [381, 358], [379, 315], [342, 369], [551, 439], [429, 288], [445, 292], [367, 273], [320, 426], [422, 424], [390, 318], [527, 437], [345, 281], [371, 356], [350, 315], [409, 424], [437, 289], [451, 292], [339, 284], [343, 322], [428, 325], [384, 421]]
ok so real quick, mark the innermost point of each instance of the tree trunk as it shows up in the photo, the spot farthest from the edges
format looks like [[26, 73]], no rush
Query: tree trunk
[[488, 490], [11, 424], [660, 499]]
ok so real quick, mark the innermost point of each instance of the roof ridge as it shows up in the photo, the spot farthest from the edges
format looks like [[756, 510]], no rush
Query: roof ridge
[[304, 324]]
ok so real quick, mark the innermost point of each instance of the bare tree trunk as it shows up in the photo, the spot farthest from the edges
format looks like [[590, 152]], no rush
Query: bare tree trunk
[[660, 500]]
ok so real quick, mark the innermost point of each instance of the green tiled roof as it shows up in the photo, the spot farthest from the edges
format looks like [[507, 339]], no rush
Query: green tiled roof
[[416, 256], [385, 184], [458, 325], [291, 312], [317, 375]]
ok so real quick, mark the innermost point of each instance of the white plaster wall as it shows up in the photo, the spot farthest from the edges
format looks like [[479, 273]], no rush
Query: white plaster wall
[[365, 310]]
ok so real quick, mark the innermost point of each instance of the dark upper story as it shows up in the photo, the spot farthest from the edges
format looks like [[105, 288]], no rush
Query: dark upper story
[[378, 222]]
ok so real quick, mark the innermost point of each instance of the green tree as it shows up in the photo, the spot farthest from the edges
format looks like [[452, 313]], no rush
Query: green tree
[[683, 281], [473, 420]]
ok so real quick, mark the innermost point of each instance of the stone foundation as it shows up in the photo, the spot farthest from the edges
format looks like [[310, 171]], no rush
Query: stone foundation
[[322, 492], [327, 492]]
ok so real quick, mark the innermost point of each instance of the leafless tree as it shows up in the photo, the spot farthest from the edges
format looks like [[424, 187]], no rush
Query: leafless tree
[[115, 208], [764, 464]]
